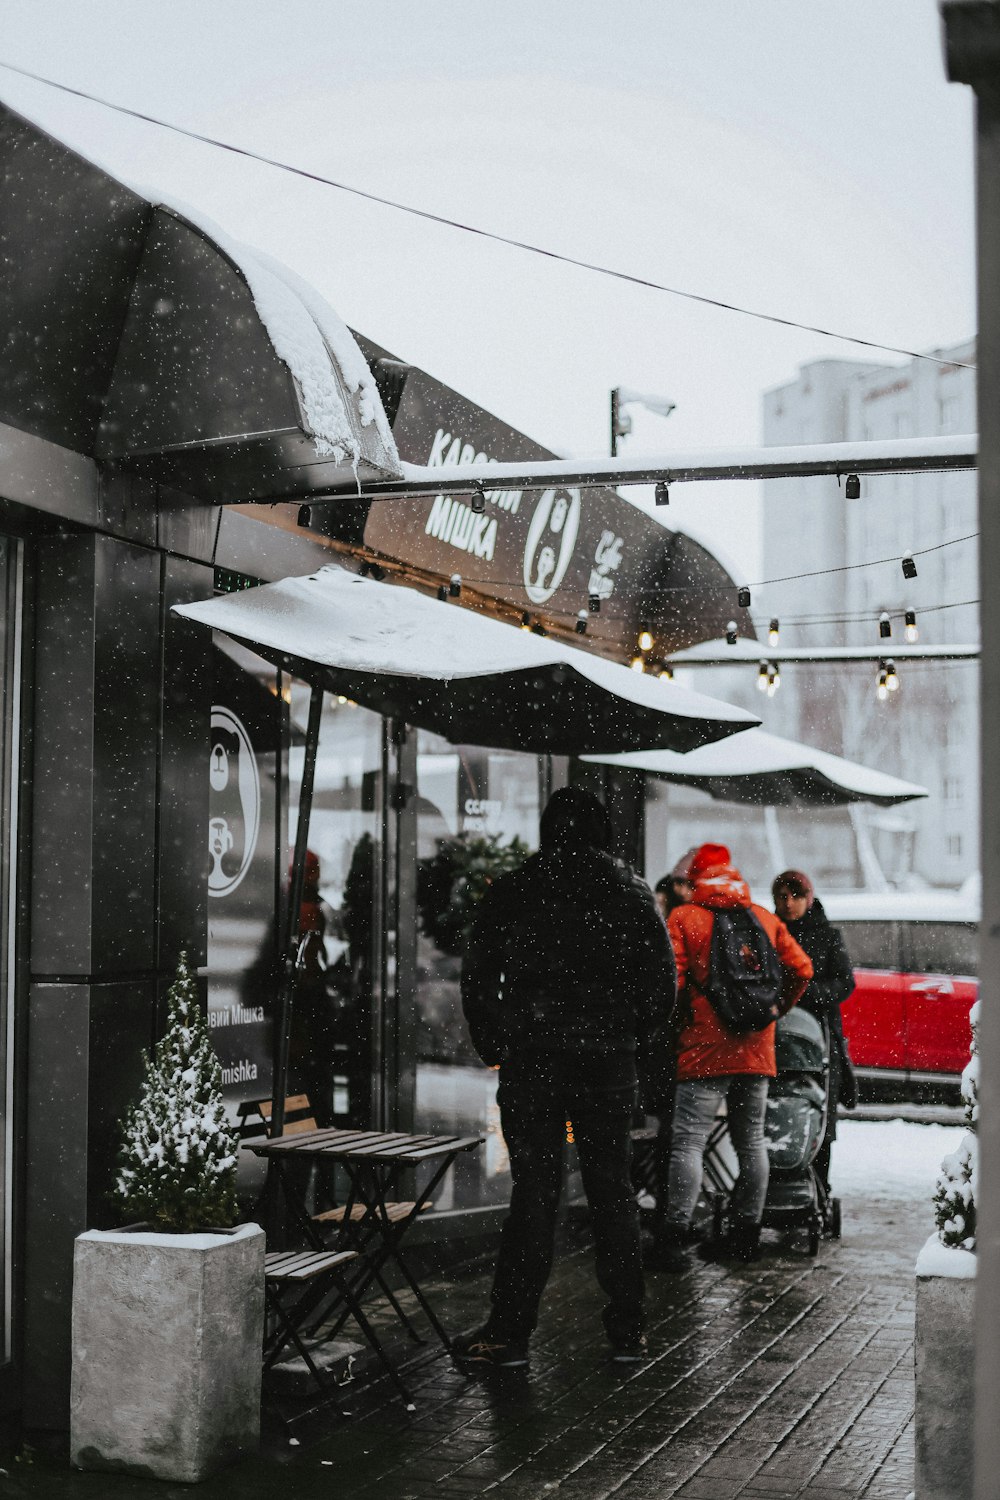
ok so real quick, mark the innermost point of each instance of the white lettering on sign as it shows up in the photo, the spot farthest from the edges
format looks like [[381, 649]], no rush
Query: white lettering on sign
[[448, 450], [458, 524], [244, 1071], [607, 560], [481, 815], [236, 1015]]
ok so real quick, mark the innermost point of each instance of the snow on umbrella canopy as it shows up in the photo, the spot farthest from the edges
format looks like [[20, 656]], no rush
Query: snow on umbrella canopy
[[467, 677]]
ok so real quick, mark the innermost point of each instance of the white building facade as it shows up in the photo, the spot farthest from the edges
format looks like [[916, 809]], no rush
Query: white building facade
[[841, 562]]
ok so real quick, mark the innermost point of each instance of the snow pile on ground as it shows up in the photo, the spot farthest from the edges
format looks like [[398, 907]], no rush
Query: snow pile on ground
[[890, 1158], [936, 1259]]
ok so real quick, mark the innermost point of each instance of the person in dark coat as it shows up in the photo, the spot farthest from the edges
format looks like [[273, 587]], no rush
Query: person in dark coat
[[832, 983], [568, 976]]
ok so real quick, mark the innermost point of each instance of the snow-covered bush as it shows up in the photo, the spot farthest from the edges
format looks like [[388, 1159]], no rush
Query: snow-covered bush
[[955, 1194], [177, 1163]]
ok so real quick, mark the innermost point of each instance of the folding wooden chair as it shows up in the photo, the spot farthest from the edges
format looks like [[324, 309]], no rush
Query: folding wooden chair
[[298, 1285]]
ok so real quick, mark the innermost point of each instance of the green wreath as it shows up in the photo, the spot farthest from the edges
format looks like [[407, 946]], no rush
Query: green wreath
[[452, 882]]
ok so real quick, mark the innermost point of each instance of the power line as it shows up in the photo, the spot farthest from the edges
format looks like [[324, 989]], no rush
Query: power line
[[501, 239]]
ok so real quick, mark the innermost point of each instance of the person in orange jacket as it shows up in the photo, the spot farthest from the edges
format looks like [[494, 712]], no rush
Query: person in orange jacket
[[715, 1064]]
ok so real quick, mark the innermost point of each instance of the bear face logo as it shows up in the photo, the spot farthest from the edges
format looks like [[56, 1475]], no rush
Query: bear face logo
[[551, 538], [234, 802]]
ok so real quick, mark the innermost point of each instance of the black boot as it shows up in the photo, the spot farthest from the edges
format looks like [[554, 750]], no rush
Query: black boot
[[670, 1250], [740, 1243]]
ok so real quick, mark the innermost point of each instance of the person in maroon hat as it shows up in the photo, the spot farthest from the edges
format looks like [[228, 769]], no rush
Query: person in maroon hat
[[832, 983], [715, 1063]]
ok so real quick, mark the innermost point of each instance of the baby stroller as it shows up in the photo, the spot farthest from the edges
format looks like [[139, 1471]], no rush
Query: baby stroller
[[794, 1127]]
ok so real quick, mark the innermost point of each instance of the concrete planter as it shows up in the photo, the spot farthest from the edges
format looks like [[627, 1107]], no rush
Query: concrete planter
[[944, 1372], [167, 1334]]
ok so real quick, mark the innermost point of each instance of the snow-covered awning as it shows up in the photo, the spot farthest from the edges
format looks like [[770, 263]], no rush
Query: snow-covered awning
[[463, 675], [138, 332], [768, 771]]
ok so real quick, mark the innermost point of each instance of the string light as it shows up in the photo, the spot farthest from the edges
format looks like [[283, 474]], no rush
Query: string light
[[645, 638], [852, 489], [762, 677], [773, 681], [443, 591], [666, 674], [662, 493], [478, 501], [637, 664], [884, 626], [909, 566], [743, 597], [525, 621], [882, 690], [538, 628], [594, 604], [891, 679], [455, 586], [581, 622], [305, 515], [911, 626], [773, 631], [731, 633]]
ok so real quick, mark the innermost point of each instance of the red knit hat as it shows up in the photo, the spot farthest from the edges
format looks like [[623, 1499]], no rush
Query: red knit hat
[[707, 857]]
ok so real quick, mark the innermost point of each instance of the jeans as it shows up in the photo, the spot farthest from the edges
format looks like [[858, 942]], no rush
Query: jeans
[[696, 1105], [538, 1093]]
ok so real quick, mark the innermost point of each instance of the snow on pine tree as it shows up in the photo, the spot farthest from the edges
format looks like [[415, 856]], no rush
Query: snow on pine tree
[[955, 1195], [177, 1163]]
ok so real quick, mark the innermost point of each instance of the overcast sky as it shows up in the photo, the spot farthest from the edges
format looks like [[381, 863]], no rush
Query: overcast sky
[[806, 158]]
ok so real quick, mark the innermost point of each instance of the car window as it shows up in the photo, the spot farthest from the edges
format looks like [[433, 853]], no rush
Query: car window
[[942, 948], [871, 945]]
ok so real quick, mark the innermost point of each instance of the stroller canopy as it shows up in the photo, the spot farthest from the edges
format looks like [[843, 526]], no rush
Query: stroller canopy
[[799, 1044]]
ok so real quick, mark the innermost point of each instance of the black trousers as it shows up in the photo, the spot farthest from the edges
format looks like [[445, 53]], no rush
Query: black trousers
[[538, 1094]]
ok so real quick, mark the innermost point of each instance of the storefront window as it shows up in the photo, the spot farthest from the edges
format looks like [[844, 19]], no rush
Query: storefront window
[[334, 1049], [477, 812]]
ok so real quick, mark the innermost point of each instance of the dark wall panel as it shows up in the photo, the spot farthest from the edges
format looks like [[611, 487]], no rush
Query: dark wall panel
[[187, 699], [95, 756]]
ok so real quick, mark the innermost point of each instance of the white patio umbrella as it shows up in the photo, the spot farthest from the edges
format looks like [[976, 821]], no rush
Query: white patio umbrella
[[463, 675], [767, 771]]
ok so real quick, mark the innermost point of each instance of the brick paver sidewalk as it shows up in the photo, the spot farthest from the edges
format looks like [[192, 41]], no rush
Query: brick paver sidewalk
[[788, 1378]]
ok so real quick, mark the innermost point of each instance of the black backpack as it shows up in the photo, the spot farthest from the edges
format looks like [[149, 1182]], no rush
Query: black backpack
[[744, 975]]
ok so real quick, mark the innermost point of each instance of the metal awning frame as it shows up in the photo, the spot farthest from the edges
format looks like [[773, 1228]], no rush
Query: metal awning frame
[[802, 461]]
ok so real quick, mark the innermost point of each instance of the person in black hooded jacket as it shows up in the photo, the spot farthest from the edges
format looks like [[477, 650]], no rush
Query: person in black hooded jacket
[[568, 978], [832, 983]]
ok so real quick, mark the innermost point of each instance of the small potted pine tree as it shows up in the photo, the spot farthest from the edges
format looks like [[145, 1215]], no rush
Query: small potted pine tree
[[168, 1314], [946, 1269]]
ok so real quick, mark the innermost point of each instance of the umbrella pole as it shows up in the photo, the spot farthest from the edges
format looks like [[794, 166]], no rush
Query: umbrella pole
[[286, 992]]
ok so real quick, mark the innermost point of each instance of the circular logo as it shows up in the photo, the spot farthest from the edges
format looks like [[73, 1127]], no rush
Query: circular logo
[[550, 542], [233, 802]]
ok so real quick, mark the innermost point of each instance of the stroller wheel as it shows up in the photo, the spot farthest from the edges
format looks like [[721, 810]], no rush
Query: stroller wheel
[[813, 1238], [835, 1218]]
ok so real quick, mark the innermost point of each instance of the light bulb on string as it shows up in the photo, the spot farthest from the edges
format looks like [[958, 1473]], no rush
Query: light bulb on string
[[911, 626], [762, 677], [645, 638], [637, 664], [743, 598], [594, 604], [731, 631], [885, 626], [478, 500], [909, 566], [662, 493], [882, 689], [773, 632], [666, 674], [455, 585], [525, 621], [581, 622], [891, 679]]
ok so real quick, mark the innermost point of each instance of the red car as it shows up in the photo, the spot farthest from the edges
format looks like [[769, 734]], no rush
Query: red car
[[916, 961]]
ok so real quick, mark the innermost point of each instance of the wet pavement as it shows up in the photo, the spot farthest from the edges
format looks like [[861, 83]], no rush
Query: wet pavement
[[788, 1378]]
